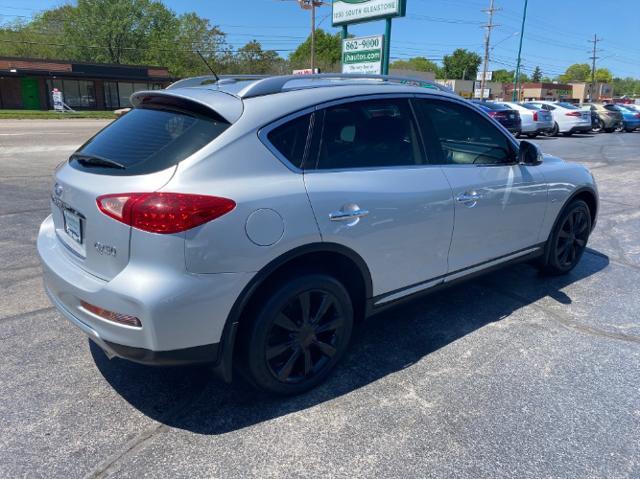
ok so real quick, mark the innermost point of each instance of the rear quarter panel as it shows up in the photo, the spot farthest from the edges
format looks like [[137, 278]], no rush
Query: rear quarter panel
[[245, 171]]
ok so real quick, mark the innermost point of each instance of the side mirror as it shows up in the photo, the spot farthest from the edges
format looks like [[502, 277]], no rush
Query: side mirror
[[529, 154]]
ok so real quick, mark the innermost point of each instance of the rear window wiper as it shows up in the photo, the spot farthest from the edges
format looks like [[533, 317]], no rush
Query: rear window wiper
[[94, 160]]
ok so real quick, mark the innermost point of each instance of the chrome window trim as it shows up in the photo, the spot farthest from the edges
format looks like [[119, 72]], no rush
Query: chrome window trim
[[264, 131], [367, 97]]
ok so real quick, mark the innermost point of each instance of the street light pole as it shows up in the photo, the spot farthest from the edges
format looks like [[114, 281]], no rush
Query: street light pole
[[313, 36], [516, 77]]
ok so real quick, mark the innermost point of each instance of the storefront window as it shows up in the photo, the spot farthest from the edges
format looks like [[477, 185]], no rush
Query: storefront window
[[117, 94], [76, 93]]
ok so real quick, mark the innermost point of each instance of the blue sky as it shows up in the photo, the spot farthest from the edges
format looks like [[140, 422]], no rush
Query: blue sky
[[556, 35]]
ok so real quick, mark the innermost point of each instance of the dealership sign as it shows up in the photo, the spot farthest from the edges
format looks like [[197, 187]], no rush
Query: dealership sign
[[354, 11], [362, 55]]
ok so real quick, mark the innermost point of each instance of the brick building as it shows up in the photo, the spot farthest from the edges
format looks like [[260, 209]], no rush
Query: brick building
[[27, 83]]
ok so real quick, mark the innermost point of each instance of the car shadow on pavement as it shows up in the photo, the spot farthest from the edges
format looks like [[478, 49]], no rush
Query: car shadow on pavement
[[190, 399]]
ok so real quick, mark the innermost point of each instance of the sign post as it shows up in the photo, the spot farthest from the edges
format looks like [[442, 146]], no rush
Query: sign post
[[363, 55], [347, 12]]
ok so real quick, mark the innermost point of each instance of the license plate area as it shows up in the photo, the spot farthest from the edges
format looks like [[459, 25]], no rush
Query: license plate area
[[73, 225]]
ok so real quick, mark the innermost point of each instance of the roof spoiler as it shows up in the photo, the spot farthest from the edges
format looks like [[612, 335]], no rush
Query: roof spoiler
[[223, 104]]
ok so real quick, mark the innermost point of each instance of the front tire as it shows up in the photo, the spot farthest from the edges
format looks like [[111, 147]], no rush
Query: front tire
[[295, 340], [568, 240]]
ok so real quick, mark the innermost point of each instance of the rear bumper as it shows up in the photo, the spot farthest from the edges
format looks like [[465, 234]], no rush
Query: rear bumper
[[182, 314], [580, 129]]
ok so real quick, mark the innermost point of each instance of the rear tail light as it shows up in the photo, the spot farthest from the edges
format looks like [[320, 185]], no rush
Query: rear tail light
[[164, 213], [535, 116], [111, 316], [574, 113], [492, 113]]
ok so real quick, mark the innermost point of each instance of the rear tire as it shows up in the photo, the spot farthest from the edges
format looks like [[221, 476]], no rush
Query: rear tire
[[554, 131], [296, 338], [568, 240]]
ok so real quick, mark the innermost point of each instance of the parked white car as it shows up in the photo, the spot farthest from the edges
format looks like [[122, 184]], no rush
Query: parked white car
[[535, 121], [568, 118]]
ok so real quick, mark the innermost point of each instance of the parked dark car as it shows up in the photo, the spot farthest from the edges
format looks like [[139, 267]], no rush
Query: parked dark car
[[506, 116]]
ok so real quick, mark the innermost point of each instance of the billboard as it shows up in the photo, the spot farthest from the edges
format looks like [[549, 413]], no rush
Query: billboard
[[362, 55], [353, 11]]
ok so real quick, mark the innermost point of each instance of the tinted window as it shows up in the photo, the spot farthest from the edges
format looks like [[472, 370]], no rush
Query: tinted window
[[458, 135], [611, 108], [146, 140], [290, 139], [531, 106], [373, 133]]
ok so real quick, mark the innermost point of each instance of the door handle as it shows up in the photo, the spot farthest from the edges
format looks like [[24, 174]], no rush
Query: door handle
[[469, 197], [347, 215]]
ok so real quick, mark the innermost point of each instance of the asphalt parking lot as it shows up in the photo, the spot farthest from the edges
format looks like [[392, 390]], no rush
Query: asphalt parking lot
[[511, 375]]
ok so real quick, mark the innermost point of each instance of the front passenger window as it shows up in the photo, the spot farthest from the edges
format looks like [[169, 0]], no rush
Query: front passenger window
[[456, 134]]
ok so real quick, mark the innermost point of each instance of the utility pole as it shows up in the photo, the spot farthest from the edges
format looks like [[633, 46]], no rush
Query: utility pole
[[593, 58], [487, 40], [313, 36], [516, 76]]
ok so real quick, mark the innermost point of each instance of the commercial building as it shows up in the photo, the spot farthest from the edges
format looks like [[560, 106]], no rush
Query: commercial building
[[467, 88], [582, 92], [541, 91], [27, 83]]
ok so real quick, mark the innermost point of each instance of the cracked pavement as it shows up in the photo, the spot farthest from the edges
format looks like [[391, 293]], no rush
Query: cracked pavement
[[509, 375]]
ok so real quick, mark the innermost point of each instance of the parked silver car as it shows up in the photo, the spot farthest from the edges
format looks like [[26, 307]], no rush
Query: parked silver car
[[254, 221], [535, 121]]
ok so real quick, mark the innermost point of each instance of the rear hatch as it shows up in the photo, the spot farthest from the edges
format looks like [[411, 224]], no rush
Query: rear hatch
[[137, 153]]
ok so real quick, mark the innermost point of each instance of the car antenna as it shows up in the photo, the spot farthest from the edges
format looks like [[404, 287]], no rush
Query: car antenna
[[208, 66]]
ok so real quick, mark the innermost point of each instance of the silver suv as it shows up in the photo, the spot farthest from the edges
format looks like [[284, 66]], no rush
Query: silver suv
[[253, 221]]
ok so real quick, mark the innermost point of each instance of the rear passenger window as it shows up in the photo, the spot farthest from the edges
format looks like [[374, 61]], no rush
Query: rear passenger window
[[365, 134], [290, 139], [458, 135]]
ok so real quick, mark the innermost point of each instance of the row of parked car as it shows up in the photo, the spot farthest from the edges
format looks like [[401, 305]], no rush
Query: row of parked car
[[550, 118]]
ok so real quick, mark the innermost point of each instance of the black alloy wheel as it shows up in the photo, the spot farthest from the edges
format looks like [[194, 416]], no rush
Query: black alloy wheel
[[569, 239], [300, 335]]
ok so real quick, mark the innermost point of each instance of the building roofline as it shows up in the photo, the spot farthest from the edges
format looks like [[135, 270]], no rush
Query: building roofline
[[74, 62]]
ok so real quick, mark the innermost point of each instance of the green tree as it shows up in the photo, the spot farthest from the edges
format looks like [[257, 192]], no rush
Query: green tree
[[604, 75], [328, 52], [578, 72], [419, 64], [626, 86], [461, 64], [537, 75], [120, 31], [252, 59], [503, 76]]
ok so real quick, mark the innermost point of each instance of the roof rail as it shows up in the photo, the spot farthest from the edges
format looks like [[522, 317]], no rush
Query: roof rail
[[212, 80], [276, 84]]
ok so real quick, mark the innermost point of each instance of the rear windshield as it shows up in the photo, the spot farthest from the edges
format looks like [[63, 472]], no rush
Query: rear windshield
[[568, 106], [611, 107], [147, 140]]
